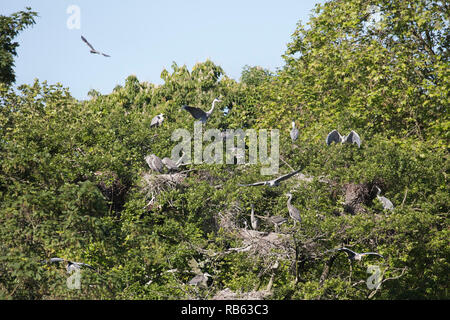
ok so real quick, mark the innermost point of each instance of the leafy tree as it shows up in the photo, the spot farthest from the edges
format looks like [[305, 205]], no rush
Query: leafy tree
[[10, 26]]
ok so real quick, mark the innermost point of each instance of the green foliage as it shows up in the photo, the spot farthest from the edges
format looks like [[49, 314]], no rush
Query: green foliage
[[74, 183], [10, 26]]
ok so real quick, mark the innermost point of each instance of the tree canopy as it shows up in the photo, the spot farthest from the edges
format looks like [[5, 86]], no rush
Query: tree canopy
[[74, 182]]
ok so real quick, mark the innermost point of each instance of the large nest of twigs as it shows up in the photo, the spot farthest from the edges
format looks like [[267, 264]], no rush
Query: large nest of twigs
[[155, 184], [228, 219], [112, 188], [266, 243], [227, 294]]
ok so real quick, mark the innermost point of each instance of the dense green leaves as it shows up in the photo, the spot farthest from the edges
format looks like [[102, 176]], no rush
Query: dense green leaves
[[74, 183]]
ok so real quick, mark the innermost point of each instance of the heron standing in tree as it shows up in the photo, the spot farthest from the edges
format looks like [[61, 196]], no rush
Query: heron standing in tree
[[200, 280], [198, 113], [253, 220], [294, 132], [277, 221], [154, 162], [157, 120], [294, 213], [387, 204]]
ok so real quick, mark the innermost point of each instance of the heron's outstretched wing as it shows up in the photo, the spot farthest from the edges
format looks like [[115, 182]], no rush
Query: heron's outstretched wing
[[195, 112], [286, 176], [371, 253], [347, 251], [53, 260], [84, 265], [353, 137], [260, 183], [90, 46], [105, 55], [333, 136]]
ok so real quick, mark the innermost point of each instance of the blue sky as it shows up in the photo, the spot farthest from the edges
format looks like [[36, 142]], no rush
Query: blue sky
[[144, 37]]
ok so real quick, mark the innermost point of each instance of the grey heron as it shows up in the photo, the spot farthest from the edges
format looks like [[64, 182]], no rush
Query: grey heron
[[198, 113], [157, 120], [273, 182], [172, 165], [277, 221], [71, 265], [294, 213], [253, 220], [294, 132], [387, 204], [355, 256], [92, 48], [335, 136], [200, 280], [154, 162]]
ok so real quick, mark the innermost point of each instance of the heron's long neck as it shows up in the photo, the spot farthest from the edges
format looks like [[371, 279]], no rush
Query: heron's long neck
[[212, 108], [289, 200], [293, 124]]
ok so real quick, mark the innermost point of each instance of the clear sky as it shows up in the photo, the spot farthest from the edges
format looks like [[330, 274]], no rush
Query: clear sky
[[144, 37]]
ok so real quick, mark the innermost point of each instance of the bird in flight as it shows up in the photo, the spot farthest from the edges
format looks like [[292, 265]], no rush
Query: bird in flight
[[70, 266], [352, 255], [92, 48], [271, 183]]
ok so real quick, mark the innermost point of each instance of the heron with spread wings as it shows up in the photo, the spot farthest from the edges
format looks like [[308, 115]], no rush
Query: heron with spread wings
[[355, 256], [273, 182], [92, 48], [198, 113], [335, 136], [70, 265]]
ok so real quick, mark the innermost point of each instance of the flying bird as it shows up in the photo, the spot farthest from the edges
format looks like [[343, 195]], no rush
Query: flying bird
[[92, 48], [198, 113], [352, 255], [271, 183], [157, 120], [387, 204], [294, 213], [154, 162], [335, 136], [70, 266], [294, 132]]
